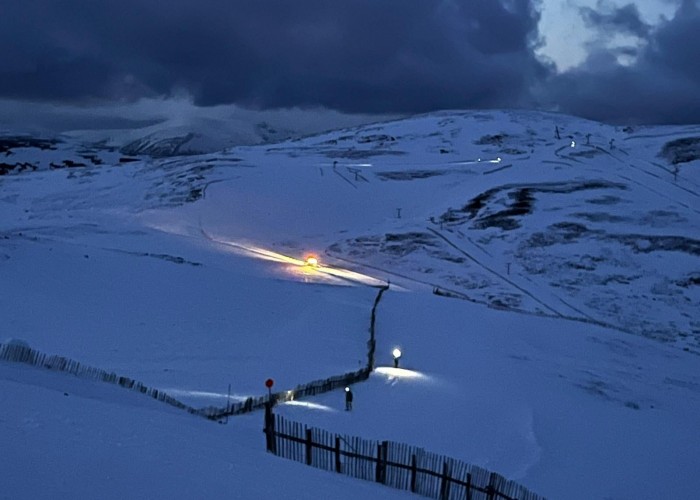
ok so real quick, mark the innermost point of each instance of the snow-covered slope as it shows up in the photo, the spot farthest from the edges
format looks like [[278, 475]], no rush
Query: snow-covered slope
[[564, 357], [595, 226]]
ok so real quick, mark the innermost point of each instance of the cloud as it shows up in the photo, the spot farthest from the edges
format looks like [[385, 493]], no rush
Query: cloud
[[626, 19], [354, 56], [676, 45], [661, 85]]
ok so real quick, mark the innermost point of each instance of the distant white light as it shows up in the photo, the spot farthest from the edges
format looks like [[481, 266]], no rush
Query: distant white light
[[396, 353], [573, 144], [347, 389]]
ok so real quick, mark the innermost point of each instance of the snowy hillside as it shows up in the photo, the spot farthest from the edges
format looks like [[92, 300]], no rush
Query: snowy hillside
[[597, 226], [545, 283]]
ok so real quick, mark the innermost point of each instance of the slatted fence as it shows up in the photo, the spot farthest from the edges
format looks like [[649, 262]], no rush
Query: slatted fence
[[396, 465], [24, 354], [18, 353]]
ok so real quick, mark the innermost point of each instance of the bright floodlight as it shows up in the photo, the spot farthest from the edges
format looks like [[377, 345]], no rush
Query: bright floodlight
[[396, 353], [573, 144], [312, 260], [347, 389]]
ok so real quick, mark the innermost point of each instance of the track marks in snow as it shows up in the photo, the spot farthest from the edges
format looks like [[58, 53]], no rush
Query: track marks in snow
[[658, 193], [495, 273]]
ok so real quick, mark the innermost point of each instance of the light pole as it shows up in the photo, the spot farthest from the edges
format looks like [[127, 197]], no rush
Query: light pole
[[397, 355]]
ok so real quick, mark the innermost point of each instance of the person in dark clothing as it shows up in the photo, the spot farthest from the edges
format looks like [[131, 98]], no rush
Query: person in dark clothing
[[348, 399]]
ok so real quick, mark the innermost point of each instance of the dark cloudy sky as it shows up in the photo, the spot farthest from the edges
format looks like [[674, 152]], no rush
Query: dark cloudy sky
[[623, 62]]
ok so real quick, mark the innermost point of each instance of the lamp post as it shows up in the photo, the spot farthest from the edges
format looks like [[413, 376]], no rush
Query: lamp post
[[397, 355], [348, 399]]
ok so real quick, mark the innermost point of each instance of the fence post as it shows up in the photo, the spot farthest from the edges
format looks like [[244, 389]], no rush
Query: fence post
[[492, 486], [469, 486], [445, 483], [309, 447], [381, 468], [385, 455], [270, 428], [378, 469], [414, 473], [337, 454]]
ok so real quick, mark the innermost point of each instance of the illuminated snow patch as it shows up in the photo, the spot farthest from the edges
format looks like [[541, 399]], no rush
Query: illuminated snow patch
[[204, 394], [401, 373], [298, 266], [309, 405]]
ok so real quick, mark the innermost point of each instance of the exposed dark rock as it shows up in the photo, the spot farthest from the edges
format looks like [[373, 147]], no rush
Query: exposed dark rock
[[682, 150], [157, 147], [8, 143]]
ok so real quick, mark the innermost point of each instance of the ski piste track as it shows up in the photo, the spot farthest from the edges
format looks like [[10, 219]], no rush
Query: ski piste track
[[666, 181], [404, 282]]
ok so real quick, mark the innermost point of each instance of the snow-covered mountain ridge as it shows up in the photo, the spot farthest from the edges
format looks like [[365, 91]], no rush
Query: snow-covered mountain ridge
[[24, 152]]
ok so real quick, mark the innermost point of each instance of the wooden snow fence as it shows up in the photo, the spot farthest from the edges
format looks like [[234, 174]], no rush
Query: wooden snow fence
[[24, 354], [396, 465], [18, 353]]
